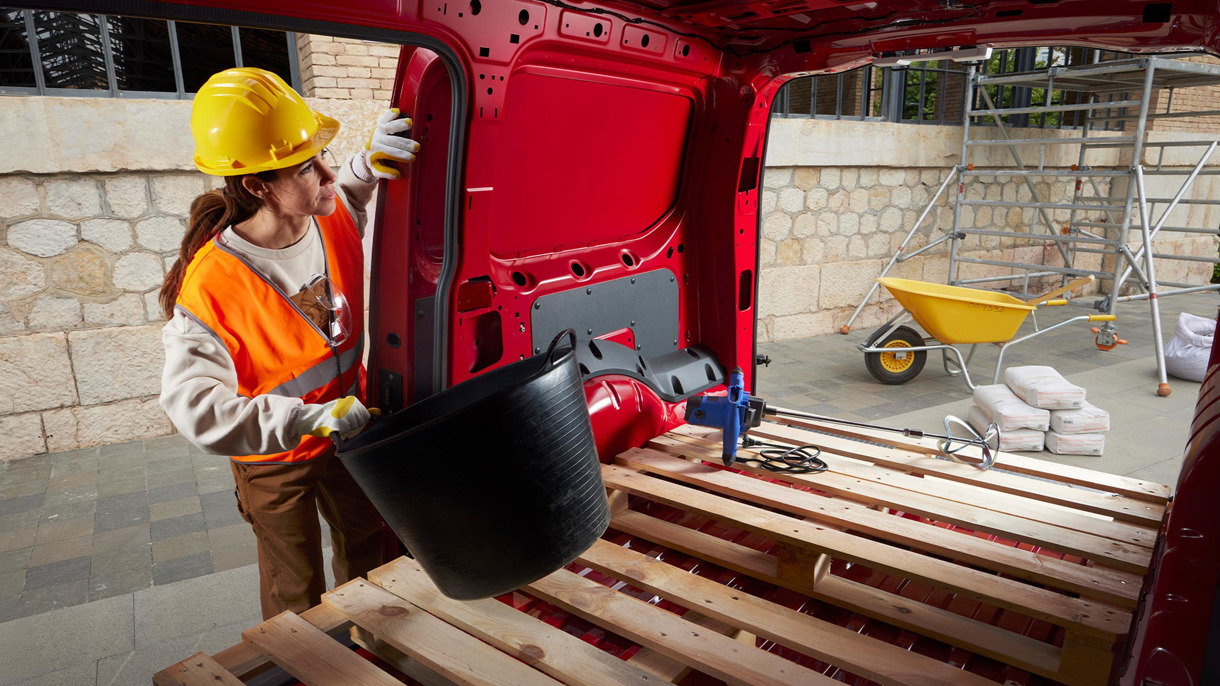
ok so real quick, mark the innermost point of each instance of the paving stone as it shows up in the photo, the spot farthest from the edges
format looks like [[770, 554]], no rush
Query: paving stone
[[175, 508], [180, 546], [215, 485], [122, 448], [61, 529], [68, 481], [93, 632], [12, 581], [15, 559], [45, 600], [186, 567], [123, 460], [84, 464], [16, 540], [56, 573], [109, 473], [135, 484], [212, 471], [20, 476], [76, 494], [170, 478], [57, 551], [121, 539], [234, 556], [157, 466], [126, 572], [231, 535], [21, 489], [28, 462], [170, 441], [20, 504], [76, 675], [220, 508], [164, 494], [70, 510], [121, 511], [177, 526]]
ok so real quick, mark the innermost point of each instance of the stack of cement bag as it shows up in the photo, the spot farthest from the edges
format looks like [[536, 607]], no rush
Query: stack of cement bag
[[1037, 407]]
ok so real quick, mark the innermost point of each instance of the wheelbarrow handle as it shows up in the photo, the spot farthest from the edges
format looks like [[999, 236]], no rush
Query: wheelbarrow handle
[[1083, 281]]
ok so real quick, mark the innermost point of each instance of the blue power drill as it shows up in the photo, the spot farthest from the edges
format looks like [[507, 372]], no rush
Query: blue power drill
[[734, 413]]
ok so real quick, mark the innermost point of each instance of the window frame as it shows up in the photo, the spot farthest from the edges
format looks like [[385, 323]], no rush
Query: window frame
[[40, 87]]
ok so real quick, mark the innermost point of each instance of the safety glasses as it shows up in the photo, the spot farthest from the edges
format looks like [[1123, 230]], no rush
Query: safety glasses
[[328, 308]]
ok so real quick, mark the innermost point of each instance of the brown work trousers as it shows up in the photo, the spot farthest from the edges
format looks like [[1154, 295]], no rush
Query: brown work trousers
[[282, 502]]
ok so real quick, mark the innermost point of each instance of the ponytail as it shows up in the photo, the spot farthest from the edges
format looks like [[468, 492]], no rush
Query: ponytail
[[210, 213]]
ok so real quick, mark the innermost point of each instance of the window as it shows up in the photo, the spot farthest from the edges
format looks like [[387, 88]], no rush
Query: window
[[62, 53]]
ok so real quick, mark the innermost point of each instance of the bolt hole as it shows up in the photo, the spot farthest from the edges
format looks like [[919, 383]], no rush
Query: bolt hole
[[393, 340], [669, 253], [628, 260], [597, 30], [644, 41], [681, 248], [685, 50], [519, 278], [475, 6], [523, 17], [578, 269]]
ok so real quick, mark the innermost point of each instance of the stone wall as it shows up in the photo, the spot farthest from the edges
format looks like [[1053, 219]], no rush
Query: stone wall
[[346, 68]]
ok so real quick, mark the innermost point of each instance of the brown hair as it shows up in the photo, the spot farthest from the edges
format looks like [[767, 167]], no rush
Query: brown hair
[[210, 213]]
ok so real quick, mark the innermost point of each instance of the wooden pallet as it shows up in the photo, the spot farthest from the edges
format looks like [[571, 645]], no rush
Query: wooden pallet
[[1104, 535]]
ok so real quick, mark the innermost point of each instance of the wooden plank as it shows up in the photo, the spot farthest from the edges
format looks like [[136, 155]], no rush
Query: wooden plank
[[244, 662], [671, 670], [1120, 588], [397, 659], [879, 661], [951, 501], [311, 656], [551, 650], [1116, 506], [1032, 466], [663, 631], [942, 625], [1003, 592], [847, 490], [445, 649], [197, 670]]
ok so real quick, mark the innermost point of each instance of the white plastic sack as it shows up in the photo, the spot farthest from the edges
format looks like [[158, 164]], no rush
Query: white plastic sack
[[1075, 444], [1086, 420], [1044, 387], [1187, 352], [1003, 407], [1025, 440]]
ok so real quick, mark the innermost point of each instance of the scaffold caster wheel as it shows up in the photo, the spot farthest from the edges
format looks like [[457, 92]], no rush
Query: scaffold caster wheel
[[1163, 390], [1107, 340]]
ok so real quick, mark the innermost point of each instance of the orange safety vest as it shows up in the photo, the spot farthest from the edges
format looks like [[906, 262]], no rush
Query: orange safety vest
[[276, 349]]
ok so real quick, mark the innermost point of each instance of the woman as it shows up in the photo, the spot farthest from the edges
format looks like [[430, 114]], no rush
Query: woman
[[265, 340]]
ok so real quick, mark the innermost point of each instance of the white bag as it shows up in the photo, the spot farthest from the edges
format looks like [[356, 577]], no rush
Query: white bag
[[1075, 444], [1001, 406], [1086, 420], [1044, 387], [1187, 352], [1025, 440]]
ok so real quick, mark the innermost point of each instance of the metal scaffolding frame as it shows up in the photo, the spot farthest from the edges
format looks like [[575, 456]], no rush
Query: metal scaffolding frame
[[1114, 101]]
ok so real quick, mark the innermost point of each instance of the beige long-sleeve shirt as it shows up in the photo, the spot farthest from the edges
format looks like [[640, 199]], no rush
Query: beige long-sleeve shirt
[[199, 382]]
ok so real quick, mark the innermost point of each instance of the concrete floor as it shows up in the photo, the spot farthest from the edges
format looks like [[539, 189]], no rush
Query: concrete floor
[[118, 561]]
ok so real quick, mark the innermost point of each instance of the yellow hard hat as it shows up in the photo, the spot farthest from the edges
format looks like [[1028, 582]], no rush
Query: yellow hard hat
[[247, 120]]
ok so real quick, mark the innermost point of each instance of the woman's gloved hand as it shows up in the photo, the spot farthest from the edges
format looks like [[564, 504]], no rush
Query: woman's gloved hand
[[345, 416], [387, 144]]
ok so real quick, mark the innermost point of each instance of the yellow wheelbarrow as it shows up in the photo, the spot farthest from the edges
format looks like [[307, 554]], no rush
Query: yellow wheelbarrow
[[953, 315]]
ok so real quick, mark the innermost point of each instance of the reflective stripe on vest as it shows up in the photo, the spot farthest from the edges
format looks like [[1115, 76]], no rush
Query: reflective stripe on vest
[[275, 348]]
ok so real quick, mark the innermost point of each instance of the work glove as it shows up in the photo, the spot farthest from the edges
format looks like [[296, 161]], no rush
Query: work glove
[[345, 416], [389, 144]]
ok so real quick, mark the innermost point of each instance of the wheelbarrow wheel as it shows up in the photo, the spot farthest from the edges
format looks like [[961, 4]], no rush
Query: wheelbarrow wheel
[[897, 367]]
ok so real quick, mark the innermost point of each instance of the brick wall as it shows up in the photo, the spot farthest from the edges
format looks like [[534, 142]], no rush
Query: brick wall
[[346, 68]]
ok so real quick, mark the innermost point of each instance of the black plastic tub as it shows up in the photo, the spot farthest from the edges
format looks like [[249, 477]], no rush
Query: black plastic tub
[[491, 484]]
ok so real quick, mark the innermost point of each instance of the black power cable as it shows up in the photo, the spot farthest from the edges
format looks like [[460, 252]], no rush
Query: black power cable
[[781, 458]]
